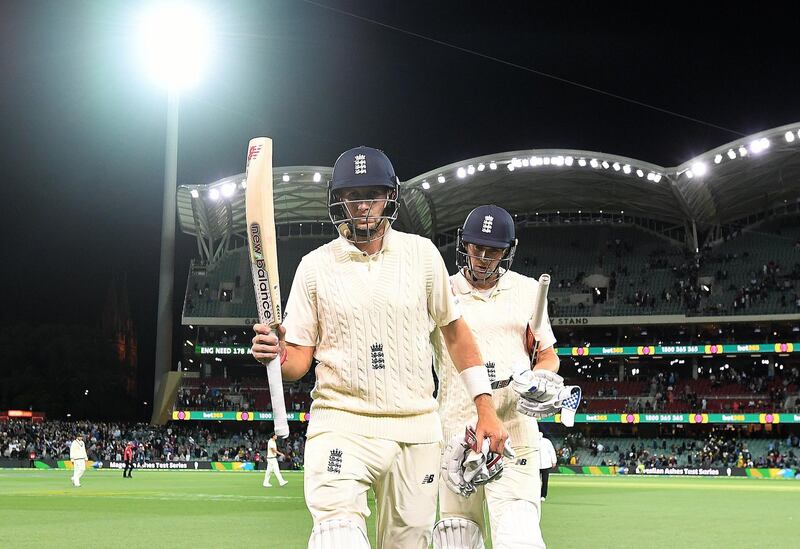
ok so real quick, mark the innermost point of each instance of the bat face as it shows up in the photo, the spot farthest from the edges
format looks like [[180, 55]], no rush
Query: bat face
[[270, 309], [260, 208], [261, 230]]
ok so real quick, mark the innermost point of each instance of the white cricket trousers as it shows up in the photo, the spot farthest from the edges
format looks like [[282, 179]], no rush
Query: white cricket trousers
[[272, 467], [520, 483], [78, 468], [340, 468]]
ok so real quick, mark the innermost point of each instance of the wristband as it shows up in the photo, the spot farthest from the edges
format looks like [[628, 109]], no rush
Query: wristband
[[476, 379], [284, 355]]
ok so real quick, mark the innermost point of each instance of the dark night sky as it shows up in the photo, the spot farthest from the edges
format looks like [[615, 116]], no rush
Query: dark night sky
[[81, 159]]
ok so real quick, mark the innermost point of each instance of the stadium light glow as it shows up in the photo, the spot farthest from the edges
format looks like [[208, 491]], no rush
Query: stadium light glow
[[175, 42], [606, 164], [640, 173], [582, 162], [718, 159], [194, 193], [510, 166], [616, 166], [461, 173], [492, 165], [689, 174], [699, 169], [317, 177], [546, 160], [470, 169], [536, 161], [568, 160], [557, 161], [742, 151], [213, 194], [481, 167], [789, 136], [626, 169], [440, 179], [656, 177], [526, 162], [286, 178], [756, 146], [517, 162], [731, 154], [594, 163], [228, 189], [426, 185]]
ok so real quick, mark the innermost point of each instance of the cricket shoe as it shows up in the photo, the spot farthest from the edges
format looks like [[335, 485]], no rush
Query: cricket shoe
[[284, 483]]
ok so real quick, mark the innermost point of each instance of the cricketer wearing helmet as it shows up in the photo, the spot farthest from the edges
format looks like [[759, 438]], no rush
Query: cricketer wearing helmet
[[497, 304], [365, 306]]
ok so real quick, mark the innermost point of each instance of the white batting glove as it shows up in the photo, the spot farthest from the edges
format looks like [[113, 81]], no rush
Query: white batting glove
[[566, 401], [464, 468], [536, 385]]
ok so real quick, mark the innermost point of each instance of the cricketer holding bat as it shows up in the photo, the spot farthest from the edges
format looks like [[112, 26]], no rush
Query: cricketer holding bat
[[365, 306], [497, 304]]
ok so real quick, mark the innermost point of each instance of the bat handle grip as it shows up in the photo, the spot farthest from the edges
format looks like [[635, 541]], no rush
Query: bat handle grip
[[275, 380]]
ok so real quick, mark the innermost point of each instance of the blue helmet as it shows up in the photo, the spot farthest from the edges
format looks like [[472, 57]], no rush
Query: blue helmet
[[491, 226], [362, 167]]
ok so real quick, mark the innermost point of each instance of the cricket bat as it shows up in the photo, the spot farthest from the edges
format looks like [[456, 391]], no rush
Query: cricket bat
[[260, 213], [538, 313], [533, 324]]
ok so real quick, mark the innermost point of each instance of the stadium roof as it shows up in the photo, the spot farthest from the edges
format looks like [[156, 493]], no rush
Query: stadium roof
[[751, 175]]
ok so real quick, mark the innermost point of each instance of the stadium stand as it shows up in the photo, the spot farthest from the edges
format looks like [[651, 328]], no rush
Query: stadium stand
[[719, 448], [175, 442]]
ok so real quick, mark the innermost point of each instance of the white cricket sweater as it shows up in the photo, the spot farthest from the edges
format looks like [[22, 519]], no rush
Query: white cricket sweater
[[370, 319], [77, 450], [499, 322]]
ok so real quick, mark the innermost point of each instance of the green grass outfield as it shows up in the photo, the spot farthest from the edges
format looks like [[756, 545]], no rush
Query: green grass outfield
[[40, 508]]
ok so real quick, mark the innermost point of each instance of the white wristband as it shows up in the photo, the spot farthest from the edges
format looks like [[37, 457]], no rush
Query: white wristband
[[476, 378]]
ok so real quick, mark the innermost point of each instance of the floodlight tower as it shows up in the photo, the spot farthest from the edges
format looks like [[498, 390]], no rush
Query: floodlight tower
[[174, 45]]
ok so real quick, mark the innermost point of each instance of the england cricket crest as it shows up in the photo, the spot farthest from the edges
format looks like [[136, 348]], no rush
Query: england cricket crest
[[378, 360], [335, 461], [490, 369], [487, 224], [360, 162]]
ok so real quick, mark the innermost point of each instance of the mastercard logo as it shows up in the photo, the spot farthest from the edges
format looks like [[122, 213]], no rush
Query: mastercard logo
[[629, 418], [769, 418], [647, 350], [713, 349], [244, 416], [698, 418], [580, 351], [784, 348]]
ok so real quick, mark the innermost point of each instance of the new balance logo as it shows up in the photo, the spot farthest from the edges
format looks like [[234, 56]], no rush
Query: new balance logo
[[378, 361], [522, 461], [428, 479], [360, 164], [253, 152], [487, 224], [335, 461], [491, 371]]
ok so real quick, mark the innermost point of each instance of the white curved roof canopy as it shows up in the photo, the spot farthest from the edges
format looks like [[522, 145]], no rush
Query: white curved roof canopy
[[748, 176]]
